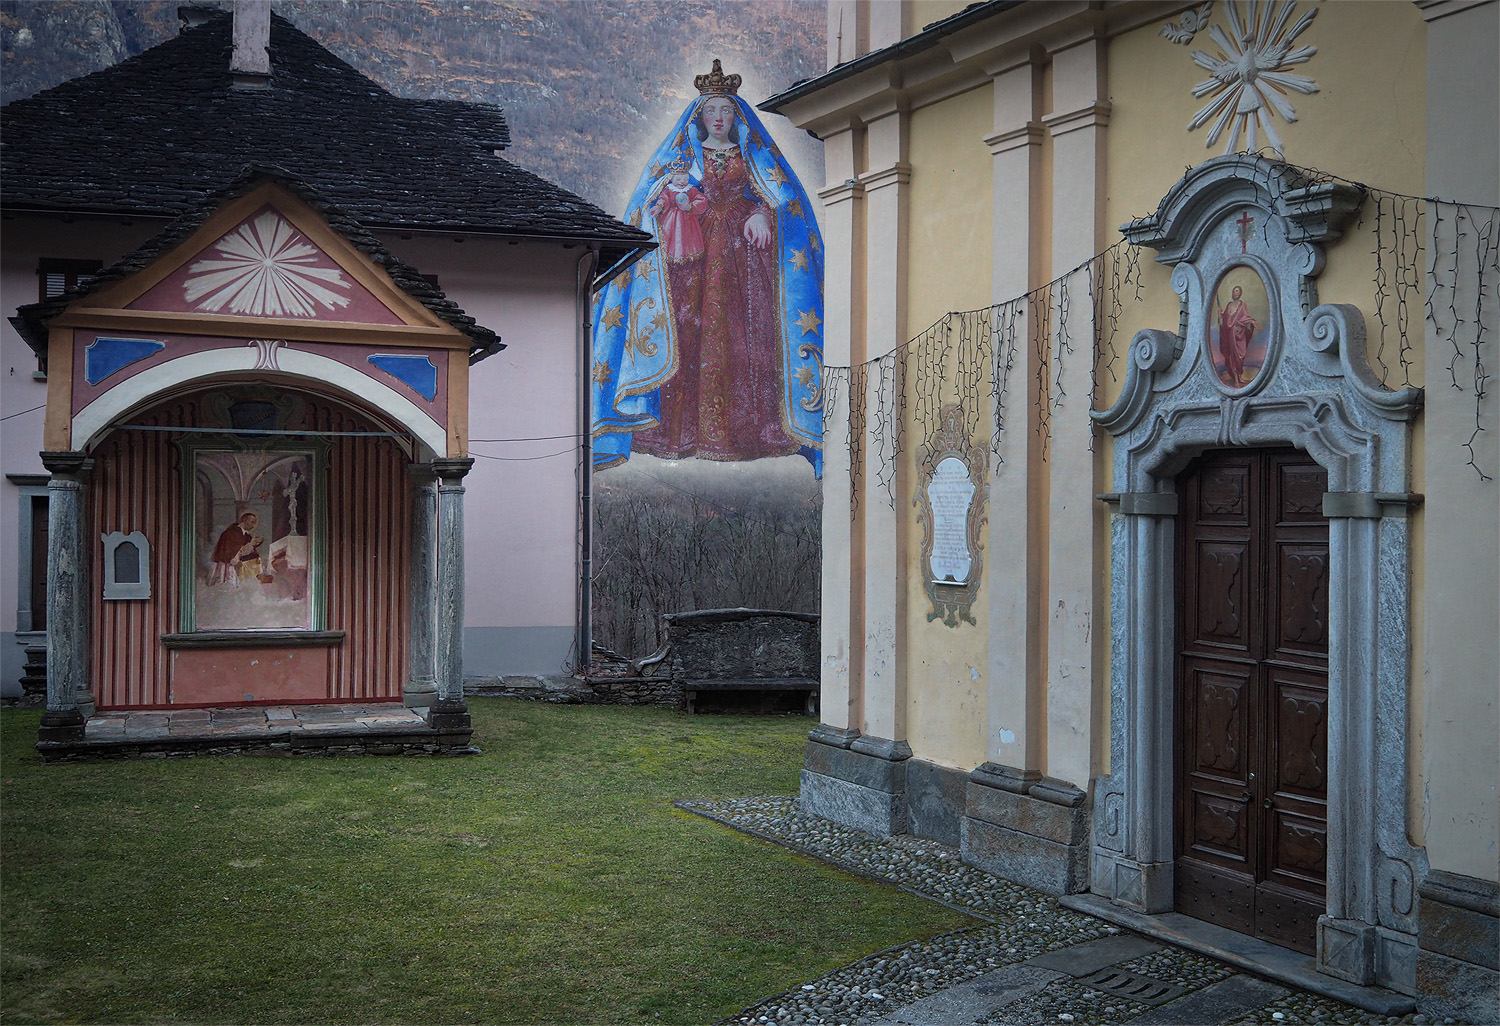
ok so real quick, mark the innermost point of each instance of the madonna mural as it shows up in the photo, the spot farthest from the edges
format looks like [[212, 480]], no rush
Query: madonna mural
[[712, 345]]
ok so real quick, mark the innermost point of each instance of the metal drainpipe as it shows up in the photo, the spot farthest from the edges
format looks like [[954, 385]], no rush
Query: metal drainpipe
[[583, 289]]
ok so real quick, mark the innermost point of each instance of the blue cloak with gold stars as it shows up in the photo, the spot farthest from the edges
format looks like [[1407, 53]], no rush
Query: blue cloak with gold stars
[[635, 349]]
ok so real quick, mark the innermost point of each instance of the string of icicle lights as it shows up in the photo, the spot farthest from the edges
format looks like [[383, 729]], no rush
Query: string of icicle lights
[[1437, 263]]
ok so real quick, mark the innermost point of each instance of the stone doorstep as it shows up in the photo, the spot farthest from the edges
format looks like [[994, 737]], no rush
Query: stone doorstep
[[1255, 956]]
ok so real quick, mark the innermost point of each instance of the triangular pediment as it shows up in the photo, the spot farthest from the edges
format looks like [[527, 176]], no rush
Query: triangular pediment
[[265, 266], [265, 261]]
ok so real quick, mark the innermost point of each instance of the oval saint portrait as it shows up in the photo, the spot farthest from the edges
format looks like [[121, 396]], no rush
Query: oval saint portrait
[[1239, 326]]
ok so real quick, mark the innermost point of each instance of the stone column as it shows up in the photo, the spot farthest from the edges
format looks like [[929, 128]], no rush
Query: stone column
[[421, 682], [449, 711], [70, 696]]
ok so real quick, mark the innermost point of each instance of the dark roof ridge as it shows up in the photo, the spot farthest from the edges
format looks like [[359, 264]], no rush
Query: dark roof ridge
[[31, 320], [148, 136], [930, 36]]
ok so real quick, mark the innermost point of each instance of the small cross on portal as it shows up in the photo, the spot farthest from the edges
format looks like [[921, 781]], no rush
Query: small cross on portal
[[1246, 222]]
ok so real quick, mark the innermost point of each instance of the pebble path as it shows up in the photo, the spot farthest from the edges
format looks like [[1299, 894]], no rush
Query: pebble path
[[1019, 925]]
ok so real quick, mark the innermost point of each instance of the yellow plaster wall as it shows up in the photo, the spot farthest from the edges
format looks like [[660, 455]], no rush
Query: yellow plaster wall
[[949, 207], [921, 13], [949, 217], [1367, 122]]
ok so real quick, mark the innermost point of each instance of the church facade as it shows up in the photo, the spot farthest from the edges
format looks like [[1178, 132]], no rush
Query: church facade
[[1161, 533]]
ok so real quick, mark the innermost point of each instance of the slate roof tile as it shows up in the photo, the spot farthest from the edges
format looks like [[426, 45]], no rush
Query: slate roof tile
[[154, 134]]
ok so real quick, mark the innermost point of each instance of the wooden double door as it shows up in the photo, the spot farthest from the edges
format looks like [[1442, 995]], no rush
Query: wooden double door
[[1252, 694]]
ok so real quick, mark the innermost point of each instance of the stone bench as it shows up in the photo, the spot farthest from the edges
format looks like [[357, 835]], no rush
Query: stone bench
[[745, 656]]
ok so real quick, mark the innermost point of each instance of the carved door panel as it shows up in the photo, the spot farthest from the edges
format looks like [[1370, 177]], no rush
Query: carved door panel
[[1252, 694]]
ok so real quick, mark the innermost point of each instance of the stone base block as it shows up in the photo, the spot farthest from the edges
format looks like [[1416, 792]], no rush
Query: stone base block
[[1047, 865], [935, 801], [856, 805], [449, 716], [419, 694], [1139, 886], [1028, 815], [1346, 949], [1451, 988], [61, 726], [1038, 837], [1460, 918]]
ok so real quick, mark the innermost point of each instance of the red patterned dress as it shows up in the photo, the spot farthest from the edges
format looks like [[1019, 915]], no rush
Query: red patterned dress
[[723, 400]]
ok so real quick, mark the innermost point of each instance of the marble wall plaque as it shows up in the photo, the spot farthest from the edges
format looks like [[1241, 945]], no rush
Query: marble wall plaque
[[949, 492]]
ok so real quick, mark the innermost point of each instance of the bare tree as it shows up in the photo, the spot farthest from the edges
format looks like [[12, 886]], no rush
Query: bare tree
[[663, 548]]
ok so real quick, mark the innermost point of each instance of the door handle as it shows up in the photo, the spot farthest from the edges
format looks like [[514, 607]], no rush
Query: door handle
[[1268, 804], [1246, 797]]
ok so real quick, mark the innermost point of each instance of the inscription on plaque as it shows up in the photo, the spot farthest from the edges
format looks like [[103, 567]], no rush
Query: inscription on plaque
[[949, 493]]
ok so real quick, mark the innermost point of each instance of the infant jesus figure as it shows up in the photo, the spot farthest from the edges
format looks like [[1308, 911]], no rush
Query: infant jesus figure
[[677, 209]]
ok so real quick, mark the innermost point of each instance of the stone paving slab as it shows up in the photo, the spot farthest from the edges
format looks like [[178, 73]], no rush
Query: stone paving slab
[[975, 1001], [1220, 1002], [250, 722], [1091, 956], [1026, 931], [348, 728]]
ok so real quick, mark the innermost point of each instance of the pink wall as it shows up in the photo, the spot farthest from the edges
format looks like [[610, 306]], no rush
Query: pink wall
[[27, 239], [522, 515]]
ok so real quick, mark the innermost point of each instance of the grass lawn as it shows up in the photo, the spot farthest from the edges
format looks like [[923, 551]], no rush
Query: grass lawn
[[548, 880]]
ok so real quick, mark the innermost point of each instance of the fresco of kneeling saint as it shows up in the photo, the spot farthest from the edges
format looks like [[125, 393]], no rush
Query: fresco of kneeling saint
[[252, 511], [711, 346]]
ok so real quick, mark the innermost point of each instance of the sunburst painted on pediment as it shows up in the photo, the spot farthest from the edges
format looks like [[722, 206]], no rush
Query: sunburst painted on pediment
[[266, 267]]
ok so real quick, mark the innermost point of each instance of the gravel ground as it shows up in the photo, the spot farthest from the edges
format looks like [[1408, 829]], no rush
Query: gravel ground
[[1022, 923]]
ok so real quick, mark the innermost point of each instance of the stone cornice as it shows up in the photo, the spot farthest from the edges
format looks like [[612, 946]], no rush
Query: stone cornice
[[66, 462], [897, 174], [1095, 115], [1030, 134], [843, 192], [1432, 10]]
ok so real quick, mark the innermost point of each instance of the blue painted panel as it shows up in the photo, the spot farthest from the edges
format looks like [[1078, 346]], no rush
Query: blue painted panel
[[416, 372], [104, 356]]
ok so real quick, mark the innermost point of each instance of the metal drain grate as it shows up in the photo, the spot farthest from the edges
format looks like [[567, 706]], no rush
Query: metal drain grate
[[1132, 986]]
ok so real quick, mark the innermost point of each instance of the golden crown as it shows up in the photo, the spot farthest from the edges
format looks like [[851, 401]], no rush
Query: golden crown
[[716, 83]]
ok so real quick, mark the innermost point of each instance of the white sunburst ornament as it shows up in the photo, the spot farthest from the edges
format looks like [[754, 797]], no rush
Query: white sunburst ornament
[[1250, 77], [268, 269]]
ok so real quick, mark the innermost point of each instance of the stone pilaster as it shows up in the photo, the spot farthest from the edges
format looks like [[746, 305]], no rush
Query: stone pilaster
[[1014, 545], [421, 682], [886, 186], [70, 696], [449, 709], [1077, 126]]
